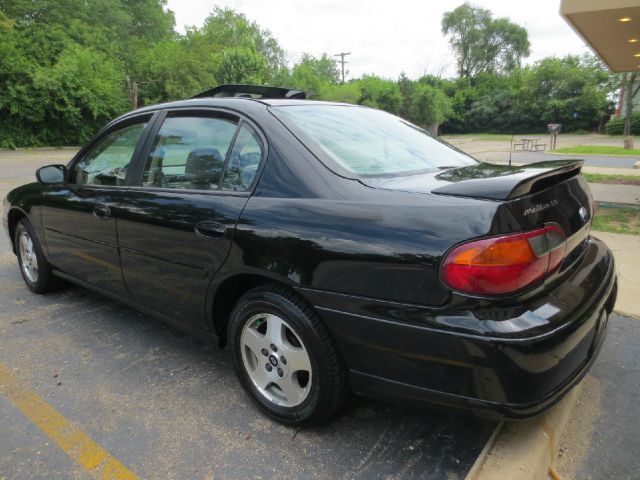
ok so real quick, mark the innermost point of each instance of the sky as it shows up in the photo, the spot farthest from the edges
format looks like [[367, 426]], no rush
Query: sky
[[385, 37]]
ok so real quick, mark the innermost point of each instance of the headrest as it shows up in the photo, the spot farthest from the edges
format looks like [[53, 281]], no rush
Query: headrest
[[204, 165]]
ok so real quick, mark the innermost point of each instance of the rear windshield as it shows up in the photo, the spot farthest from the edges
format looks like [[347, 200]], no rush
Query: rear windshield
[[369, 142]]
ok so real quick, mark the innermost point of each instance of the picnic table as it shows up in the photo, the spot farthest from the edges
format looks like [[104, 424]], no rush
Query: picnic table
[[530, 144]]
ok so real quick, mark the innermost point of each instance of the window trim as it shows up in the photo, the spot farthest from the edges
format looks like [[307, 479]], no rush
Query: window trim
[[227, 156], [109, 129], [136, 177], [233, 146]]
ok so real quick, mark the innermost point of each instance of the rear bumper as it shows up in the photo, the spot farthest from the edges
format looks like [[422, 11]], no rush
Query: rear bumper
[[511, 362]]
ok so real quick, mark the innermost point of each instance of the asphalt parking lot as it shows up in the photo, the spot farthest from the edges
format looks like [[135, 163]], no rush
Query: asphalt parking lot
[[90, 387], [166, 406]]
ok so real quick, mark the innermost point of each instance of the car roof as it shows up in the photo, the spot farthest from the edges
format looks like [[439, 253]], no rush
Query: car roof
[[234, 103], [285, 102], [242, 105]]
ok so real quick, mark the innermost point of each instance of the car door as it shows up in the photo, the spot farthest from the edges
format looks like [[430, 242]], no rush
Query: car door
[[79, 216], [176, 224]]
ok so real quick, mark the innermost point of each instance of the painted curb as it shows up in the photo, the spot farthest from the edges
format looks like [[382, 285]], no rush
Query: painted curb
[[524, 450]]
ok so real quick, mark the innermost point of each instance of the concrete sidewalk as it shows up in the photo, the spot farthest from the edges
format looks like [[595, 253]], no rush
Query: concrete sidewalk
[[614, 193], [626, 251], [611, 171], [593, 429], [600, 440]]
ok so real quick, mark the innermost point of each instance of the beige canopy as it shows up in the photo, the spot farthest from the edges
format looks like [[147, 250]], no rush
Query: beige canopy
[[610, 27]]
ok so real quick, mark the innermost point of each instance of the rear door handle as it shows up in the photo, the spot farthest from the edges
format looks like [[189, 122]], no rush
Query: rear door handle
[[102, 212], [210, 229]]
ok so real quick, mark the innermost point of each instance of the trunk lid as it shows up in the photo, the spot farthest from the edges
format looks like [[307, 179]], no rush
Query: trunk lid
[[483, 180], [536, 194]]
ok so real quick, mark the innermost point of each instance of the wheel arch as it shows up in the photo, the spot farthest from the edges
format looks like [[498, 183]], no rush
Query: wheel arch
[[225, 294], [13, 217]]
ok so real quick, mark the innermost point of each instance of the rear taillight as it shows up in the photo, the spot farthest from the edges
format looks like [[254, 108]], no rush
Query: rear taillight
[[499, 265]]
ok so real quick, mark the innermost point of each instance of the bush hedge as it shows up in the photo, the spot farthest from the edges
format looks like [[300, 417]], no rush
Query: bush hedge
[[616, 125]]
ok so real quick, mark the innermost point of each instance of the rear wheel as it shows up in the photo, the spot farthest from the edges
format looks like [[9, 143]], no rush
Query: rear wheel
[[33, 265], [285, 357]]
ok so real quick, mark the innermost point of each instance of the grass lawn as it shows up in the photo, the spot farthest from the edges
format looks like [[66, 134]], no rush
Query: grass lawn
[[598, 150], [615, 179], [617, 220]]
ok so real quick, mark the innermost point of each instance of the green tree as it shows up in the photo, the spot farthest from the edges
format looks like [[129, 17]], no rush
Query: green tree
[[380, 93], [527, 99], [314, 74], [631, 88], [570, 90], [406, 87], [344, 93], [121, 29], [175, 71], [226, 29], [429, 107], [483, 43], [82, 88], [64, 64], [68, 66], [241, 65]]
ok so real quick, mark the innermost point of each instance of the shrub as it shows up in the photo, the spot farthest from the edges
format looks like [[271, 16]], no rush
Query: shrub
[[616, 125]]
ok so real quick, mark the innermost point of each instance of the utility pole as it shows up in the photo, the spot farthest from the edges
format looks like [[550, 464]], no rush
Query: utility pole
[[132, 89], [342, 61]]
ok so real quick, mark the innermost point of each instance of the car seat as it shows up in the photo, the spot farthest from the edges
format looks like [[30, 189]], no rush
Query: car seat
[[203, 168]]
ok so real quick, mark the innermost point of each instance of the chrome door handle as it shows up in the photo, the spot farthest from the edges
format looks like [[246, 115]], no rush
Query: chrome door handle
[[102, 212], [210, 229]]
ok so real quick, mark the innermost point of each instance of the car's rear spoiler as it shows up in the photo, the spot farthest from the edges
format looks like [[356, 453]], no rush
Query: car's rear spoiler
[[508, 182], [251, 91]]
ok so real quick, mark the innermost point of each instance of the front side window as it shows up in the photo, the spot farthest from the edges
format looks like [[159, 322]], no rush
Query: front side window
[[369, 142], [107, 162], [189, 153], [244, 160]]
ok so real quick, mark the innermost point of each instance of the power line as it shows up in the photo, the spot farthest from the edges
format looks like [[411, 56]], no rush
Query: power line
[[342, 61]]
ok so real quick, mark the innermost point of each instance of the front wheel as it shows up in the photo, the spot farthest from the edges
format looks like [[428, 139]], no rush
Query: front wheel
[[285, 357], [34, 267]]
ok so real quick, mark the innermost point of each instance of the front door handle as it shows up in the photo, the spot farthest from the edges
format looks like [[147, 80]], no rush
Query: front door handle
[[210, 229], [102, 212]]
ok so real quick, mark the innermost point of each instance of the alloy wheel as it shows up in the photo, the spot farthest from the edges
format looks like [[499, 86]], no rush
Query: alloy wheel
[[28, 257], [276, 360]]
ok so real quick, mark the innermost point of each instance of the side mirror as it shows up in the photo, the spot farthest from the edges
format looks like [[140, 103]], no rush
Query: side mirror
[[51, 174]]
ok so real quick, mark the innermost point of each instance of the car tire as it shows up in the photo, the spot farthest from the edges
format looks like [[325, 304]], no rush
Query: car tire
[[285, 357], [34, 267]]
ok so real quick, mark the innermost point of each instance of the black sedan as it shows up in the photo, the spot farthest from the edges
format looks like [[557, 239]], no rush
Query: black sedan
[[334, 249]]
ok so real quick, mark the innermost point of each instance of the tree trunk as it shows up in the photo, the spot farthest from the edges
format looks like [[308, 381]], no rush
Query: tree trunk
[[628, 113], [132, 90], [432, 128]]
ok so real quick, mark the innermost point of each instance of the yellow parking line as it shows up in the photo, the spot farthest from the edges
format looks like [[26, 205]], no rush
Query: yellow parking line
[[77, 444]]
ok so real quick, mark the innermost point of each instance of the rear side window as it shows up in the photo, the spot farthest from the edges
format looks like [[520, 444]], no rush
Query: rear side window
[[368, 142], [189, 153], [244, 160]]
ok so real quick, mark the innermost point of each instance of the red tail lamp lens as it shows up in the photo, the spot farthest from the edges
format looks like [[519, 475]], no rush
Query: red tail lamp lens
[[505, 264]]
